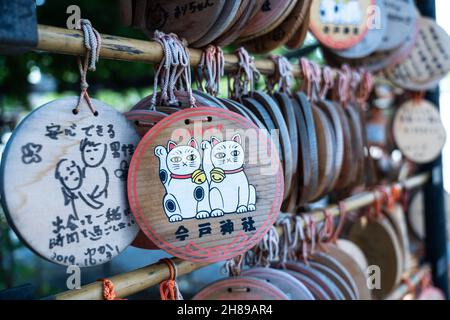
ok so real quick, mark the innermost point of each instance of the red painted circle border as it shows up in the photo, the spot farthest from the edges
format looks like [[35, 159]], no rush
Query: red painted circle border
[[337, 45], [134, 203]]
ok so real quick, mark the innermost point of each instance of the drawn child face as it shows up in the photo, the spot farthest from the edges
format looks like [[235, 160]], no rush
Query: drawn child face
[[183, 160], [69, 174], [227, 155], [93, 154]]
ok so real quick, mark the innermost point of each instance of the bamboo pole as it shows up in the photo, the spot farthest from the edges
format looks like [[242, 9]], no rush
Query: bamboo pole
[[129, 283], [66, 41], [135, 281], [403, 289], [365, 199]]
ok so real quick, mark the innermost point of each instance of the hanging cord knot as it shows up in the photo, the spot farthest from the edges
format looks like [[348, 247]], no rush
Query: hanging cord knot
[[365, 87], [173, 70], [342, 218], [325, 234], [168, 289], [92, 43], [266, 252], [233, 266], [242, 82], [108, 290], [282, 77], [211, 68]]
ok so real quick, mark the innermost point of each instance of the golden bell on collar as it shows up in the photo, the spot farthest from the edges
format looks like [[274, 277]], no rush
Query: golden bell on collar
[[217, 175], [198, 177]]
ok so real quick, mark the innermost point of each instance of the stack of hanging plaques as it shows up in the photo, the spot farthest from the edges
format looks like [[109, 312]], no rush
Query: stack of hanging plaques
[[259, 25], [390, 32]]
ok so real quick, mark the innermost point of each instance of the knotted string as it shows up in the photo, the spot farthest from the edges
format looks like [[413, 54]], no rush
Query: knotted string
[[168, 289], [173, 71], [233, 266], [326, 232], [108, 290], [327, 82], [242, 82], [282, 77], [211, 68], [365, 87], [92, 43], [342, 216], [307, 77]]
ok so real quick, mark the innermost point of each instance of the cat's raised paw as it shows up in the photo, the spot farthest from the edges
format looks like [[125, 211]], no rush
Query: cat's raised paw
[[176, 218], [206, 145], [202, 215], [160, 151], [241, 209], [217, 213], [251, 207]]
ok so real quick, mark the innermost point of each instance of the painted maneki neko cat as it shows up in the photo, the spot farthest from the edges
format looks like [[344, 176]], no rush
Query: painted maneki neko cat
[[205, 186]]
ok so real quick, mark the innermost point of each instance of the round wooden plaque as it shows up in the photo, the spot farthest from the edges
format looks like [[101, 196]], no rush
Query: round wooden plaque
[[374, 37], [352, 258], [81, 162], [205, 184], [293, 288], [397, 218], [381, 247], [428, 62], [241, 288], [401, 19], [418, 131], [270, 15], [340, 24], [283, 32], [187, 19], [225, 19], [416, 219]]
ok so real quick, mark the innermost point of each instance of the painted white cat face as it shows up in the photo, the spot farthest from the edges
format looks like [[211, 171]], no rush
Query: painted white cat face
[[227, 155], [183, 160]]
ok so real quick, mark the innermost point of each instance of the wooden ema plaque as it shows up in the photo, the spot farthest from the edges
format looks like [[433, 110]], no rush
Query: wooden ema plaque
[[427, 63], [80, 163], [205, 184], [188, 19], [373, 38], [402, 18], [418, 131], [340, 24], [241, 288]]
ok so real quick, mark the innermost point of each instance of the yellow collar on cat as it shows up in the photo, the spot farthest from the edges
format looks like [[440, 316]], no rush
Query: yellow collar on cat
[[197, 177]]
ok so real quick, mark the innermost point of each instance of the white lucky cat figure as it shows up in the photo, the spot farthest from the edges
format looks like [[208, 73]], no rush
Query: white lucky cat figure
[[187, 190], [229, 190]]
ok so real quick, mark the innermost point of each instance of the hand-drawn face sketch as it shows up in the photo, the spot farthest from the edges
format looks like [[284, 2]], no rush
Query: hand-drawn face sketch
[[93, 154]]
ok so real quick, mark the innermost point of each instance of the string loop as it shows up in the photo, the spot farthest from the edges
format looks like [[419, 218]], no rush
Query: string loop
[[168, 289], [92, 43]]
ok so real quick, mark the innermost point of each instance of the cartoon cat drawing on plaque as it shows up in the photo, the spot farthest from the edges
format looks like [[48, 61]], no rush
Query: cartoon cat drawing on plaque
[[186, 186], [229, 191]]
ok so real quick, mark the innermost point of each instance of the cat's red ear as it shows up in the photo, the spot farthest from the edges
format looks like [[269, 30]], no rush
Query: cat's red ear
[[193, 143], [171, 145], [237, 138], [215, 141]]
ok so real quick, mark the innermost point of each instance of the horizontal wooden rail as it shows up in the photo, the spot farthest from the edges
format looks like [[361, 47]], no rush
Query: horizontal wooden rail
[[135, 281], [415, 279], [66, 41]]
